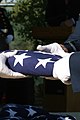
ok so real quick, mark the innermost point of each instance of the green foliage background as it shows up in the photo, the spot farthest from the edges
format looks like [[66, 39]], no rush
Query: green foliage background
[[25, 15]]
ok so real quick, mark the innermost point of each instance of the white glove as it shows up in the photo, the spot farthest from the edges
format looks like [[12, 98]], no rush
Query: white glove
[[53, 48], [61, 70], [61, 67], [5, 72]]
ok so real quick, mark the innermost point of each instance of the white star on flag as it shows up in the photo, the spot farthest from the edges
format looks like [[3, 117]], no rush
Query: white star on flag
[[43, 62], [19, 59], [11, 112], [67, 118], [31, 111]]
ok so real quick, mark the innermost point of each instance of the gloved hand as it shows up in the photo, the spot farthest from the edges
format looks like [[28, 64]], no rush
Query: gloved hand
[[53, 48], [61, 67], [5, 72]]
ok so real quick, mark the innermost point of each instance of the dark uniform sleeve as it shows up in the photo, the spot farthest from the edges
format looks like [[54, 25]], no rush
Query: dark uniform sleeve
[[74, 64], [73, 41], [73, 46]]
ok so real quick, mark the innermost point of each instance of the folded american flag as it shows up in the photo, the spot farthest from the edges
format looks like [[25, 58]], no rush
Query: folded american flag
[[33, 62], [28, 112]]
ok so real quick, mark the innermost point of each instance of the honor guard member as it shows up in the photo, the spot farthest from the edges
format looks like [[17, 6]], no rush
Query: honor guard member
[[6, 36], [6, 30]]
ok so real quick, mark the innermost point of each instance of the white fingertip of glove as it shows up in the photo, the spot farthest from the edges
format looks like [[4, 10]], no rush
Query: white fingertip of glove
[[39, 47]]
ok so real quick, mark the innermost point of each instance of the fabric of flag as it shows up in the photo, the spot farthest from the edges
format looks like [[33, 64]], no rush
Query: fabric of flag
[[28, 112], [33, 62]]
